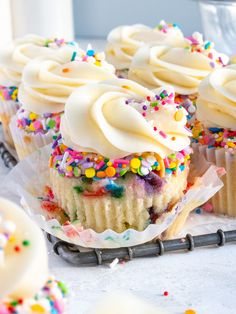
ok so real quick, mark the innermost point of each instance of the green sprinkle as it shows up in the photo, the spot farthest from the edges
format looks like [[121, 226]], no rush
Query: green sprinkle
[[76, 172], [51, 123], [73, 56], [155, 103], [63, 287], [79, 189], [122, 172], [26, 242], [14, 303]]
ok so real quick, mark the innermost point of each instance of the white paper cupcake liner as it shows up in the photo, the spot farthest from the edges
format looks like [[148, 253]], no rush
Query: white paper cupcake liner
[[28, 143], [8, 109], [225, 200], [30, 176]]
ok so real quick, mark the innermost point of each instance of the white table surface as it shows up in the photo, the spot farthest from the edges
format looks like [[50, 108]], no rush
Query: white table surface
[[204, 280]]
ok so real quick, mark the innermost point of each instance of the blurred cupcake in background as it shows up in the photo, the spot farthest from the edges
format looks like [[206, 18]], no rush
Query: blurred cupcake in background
[[26, 286], [122, 158], [214, 133], [13, 58], [47, 82], [182, 68], [124, 41]]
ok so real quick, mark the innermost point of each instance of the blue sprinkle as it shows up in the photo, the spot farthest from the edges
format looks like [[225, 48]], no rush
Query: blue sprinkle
[[216, 130], [168, 171], [181, 167], [198, 210], [90, 53], [73, 56]]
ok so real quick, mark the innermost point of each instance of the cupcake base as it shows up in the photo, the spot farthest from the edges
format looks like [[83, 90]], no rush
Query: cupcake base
[[27, 143], [8, 109], [224, 201], [133, 202]]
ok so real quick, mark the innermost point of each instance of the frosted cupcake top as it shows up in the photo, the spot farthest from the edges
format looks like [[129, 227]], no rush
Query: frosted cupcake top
[[183, 68], [216, 104], [15, 56], [25, 287], [124, 41], [48, 81], [120, 117]]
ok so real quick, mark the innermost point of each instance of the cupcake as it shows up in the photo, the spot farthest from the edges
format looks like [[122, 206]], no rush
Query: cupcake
[[124, 41], [214, 133], [47, 82], [13, 59], [182, 68], [122, 158], [25, 284]]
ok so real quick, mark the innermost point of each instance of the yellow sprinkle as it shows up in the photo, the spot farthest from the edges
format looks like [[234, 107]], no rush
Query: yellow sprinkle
[[37, 308], [31, 127], [33, 116], [125, 86], [231, 144], [134, 170], [98, 63], [12, 239], [135, 163], [109, 163], [172, 165], [69, 168], [178, 115], [110, 171], [90, 172]]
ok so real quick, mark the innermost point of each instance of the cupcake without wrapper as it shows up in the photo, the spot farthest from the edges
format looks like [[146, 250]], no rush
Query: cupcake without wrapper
[[13, 58], [47, 82], [25, 284], [214, 134], [122, 158], [124, 41], [182, 68]]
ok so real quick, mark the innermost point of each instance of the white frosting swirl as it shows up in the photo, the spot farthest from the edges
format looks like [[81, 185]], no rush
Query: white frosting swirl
[[48, 81], [15, 56], [97, 119], [183, 68], [216, 104], [24, 272], [124, 41]]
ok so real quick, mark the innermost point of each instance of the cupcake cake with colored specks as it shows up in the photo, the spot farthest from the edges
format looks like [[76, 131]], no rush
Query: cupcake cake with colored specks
[[25, 284], [13, 58], [124, 41], [122, 157], [47, 82], [214, 133], [182, 68]]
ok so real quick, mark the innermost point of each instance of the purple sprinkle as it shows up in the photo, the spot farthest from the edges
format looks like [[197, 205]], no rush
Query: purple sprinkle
[[144, 107], [212, 64]]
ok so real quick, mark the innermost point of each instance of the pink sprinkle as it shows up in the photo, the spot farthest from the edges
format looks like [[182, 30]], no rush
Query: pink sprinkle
[[179, 156], [208, 207], [166, 162], [37, 124], [84, 58], [156, 108], [99, 166], [144, 114], [121, 161], [155, 128], [163, 134]]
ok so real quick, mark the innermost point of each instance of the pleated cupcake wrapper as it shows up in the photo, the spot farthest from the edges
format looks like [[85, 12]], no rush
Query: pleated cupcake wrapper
[[8, 109], [224, 202], [28, 179], [27, 143]]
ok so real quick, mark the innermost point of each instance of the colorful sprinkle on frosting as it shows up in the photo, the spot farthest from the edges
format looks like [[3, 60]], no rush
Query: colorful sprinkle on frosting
[[165, 27], [7, 229], [51, 299], [9, 93], [70, 163], [188, 102], [90, 57], [31, 122], [196, 44], [58, 43], [214, 137]]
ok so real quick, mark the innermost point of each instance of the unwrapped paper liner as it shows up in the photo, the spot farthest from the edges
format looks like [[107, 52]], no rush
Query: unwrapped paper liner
[[28, 180]]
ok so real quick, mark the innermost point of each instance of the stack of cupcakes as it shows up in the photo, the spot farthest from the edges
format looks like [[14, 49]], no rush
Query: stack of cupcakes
[[122, 158], [13, 59], [47, 82], [25, 284], [214, 133]]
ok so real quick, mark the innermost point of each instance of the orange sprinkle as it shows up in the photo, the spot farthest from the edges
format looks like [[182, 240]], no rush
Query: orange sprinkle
[[101, 174], [65, 70], [125, 86], [173, 138], [110, 171]]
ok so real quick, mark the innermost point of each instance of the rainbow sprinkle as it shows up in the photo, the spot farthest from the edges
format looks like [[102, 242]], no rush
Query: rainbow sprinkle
[[31, 122], [9, 93], [58, 43], [214, 137], [90, 57], [7, 229], [50, 299], [70, 163], [196, 44], [166, 27]]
